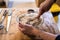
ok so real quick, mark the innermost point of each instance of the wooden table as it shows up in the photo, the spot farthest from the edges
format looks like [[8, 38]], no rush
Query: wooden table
[[14, 33]]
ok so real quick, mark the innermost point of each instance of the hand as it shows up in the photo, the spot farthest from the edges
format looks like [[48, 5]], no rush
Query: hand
[[30, 31], [26, 29], [44, 6], [40, 12]]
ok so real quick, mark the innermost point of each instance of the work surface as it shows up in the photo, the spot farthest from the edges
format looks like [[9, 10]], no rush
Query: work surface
[[13, 33]]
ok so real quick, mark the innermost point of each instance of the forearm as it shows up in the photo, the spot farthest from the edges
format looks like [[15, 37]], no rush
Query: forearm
[[44, 35], [45, 6]]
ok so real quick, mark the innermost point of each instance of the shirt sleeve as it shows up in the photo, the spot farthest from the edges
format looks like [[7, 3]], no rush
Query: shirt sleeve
[[58, 37]]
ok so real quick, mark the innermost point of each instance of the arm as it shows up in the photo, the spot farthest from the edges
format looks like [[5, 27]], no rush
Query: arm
[[44, 35], [30, 30], [45, 6]]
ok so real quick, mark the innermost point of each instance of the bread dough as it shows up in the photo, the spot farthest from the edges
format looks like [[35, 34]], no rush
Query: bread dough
[[46, 23]]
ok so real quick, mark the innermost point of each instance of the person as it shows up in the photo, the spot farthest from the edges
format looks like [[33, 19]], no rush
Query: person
[[45, 6], [30, 30], [35, 33]]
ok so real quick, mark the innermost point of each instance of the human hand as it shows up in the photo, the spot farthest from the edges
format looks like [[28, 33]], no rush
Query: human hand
[[26, 29]]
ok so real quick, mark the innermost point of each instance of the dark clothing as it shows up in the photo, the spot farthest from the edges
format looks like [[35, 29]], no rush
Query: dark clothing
[[58, 37], [54, 0]]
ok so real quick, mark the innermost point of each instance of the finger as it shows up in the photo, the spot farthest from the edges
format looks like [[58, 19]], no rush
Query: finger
[[28, 25], [21, 29], [21, 25], [38, 17]]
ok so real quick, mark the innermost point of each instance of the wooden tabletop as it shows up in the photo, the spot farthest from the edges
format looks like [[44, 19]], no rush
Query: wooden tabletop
[[14, 33]]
